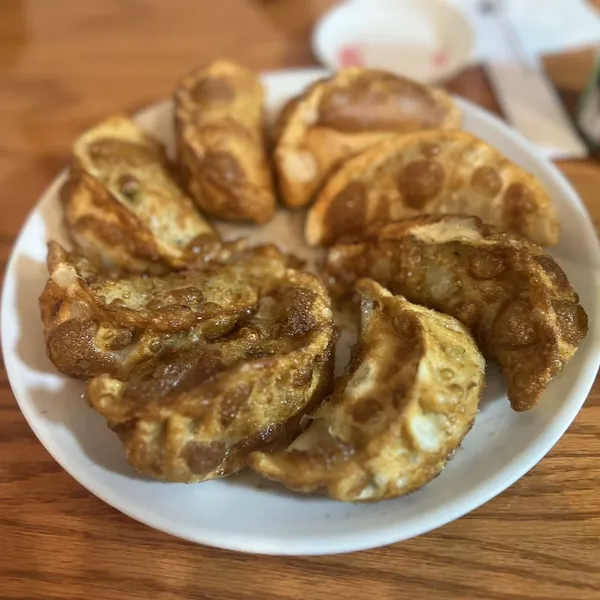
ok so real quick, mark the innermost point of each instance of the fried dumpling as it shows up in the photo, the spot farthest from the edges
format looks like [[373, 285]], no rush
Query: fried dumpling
[[197, 416], [123, 206], [515, 299], [409, 397], [432, 172], [339, 117], [220, 135], [98, 324]]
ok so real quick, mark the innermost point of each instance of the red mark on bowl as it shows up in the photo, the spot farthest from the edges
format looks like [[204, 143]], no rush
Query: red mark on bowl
[[440, 58], [350, 56]]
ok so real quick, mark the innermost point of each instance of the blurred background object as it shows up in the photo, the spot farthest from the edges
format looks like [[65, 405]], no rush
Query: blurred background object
[[542, 26], [426, 40], [588, 117], [510, 52]]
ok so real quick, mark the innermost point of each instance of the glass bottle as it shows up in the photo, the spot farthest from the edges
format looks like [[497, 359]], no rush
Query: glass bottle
[[588, 113]]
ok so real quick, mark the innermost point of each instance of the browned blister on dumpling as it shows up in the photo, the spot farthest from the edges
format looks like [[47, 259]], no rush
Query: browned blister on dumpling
[[123, 206], [197, 415], [339, 117], [220, 137], [95, 323], [515, 299], [408, 398], [432, 172]]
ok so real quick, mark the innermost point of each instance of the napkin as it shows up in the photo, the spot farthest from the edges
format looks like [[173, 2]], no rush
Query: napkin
[[510, 35], [542, 26]]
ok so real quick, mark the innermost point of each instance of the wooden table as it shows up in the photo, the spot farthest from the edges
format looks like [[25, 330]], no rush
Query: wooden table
[[65, 64]]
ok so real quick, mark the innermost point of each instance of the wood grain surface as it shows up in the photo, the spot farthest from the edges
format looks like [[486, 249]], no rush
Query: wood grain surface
[[65, 64]]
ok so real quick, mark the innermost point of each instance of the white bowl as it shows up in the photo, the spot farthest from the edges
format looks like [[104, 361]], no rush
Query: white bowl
[[243, 512], [426, 40]]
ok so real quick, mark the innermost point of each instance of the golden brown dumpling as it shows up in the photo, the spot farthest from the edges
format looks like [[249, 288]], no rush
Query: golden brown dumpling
[[339, 117], [96, 324], [432, 172], [197, 415], [517, 302], [122, 205], [220, 136], [409, 397]]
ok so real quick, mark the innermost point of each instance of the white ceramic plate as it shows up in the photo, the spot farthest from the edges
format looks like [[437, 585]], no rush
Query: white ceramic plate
[[243, 512], [426, 40]]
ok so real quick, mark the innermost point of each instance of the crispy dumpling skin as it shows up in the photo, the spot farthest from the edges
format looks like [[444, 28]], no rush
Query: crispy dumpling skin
[[408, 398], [432, 172], [338, 117], [515, 299], [198, 415], [221, 143], [95, 323], [122, 204]]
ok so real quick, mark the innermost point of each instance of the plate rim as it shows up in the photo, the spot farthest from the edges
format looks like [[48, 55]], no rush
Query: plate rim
[[347, 542]]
